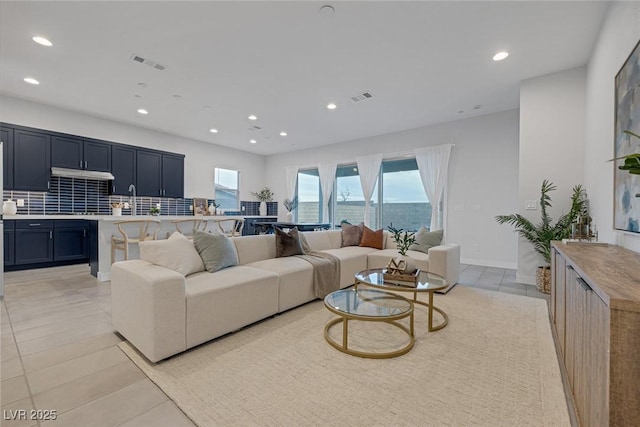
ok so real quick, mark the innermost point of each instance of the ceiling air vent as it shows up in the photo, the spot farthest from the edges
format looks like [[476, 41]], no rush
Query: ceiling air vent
[[361, 97], [150, 63]]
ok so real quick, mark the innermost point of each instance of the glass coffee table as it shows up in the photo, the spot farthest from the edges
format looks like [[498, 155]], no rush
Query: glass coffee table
[[369, 305], [427, 282]]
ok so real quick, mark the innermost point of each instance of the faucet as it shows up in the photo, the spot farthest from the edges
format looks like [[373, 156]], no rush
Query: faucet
[[132, 200]]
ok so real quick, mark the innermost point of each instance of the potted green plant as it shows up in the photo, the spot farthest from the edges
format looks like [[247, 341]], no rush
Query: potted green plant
[[403, 240], [265, 195], [540, 235], [155, 211]]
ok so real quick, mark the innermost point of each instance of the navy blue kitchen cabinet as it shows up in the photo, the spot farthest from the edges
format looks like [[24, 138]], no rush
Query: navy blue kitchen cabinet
[[159, 174], [149, 173], [9, 242], [172, 176], [33, 241], [70, 240], [6, 136], [77, 153], [123, 168], [31, 160]]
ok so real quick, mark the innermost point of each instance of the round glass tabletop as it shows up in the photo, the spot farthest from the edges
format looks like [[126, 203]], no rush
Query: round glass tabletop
[[426, 281], [367, 303]]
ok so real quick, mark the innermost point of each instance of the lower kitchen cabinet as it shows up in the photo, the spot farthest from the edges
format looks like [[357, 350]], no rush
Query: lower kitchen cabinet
[[9, 242], [70, 240], [33, 241]]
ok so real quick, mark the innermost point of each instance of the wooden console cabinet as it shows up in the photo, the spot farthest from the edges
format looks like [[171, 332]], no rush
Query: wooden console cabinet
[[595, 309]]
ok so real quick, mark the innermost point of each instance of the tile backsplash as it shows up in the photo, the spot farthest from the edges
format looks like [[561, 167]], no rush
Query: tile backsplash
[[76, 196]]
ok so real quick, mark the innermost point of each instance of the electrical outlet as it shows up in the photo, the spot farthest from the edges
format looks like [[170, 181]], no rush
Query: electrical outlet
[[20, 203], [158, 205], [242, 208], [530, 205], [190, 207]]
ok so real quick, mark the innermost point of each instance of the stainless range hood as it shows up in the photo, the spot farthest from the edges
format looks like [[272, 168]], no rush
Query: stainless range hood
[[82, 174]]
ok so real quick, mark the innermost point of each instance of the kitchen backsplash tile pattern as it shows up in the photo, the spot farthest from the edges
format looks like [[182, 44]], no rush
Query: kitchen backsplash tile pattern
[[80, 196]]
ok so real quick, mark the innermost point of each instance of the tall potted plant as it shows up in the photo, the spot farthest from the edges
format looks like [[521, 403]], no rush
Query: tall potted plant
[[265, 195], [540, 235]]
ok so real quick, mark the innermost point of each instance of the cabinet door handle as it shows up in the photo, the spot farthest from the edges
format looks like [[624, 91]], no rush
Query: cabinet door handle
[[80, 164], [583, 284], [113, 189], [164, 192], [48, 185], [84, 233], [85, 164], [50, 235], [34, 225]]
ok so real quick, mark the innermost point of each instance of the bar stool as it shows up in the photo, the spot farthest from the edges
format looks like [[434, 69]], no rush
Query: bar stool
[[232, 226], [147, 230], [198, 224]]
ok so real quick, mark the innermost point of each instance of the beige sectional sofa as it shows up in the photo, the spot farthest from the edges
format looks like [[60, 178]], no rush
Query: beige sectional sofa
[[161, 312]]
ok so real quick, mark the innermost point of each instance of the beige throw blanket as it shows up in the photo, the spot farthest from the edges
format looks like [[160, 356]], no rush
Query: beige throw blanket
[[326, 272]]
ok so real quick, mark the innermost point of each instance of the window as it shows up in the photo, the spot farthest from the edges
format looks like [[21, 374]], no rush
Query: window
[[349, 200], [227, 184], [404, 201], [309, 196]]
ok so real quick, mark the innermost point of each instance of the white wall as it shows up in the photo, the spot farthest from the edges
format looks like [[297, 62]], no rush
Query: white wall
[[201, 157], [551, 147], [483, 178], [620, 32]]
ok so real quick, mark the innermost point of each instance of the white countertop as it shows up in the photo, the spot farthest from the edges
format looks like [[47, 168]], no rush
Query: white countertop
[[119, 218]]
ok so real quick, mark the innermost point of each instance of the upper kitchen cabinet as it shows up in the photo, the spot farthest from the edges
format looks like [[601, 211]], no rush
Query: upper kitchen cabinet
[[31, 160], [159, 174], [77, 153], [123, 169], [6, 136], [172, 176]]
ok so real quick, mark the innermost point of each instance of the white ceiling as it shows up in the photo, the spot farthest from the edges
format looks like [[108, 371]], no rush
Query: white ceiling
[[284, 62]]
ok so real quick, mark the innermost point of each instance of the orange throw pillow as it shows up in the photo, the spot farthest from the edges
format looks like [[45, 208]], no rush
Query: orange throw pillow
[[372, 239]]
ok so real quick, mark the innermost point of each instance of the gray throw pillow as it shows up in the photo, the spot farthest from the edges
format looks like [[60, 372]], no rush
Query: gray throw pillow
[[216, 250], [287, 244], [426, 239], [303, 240], [352, 234]]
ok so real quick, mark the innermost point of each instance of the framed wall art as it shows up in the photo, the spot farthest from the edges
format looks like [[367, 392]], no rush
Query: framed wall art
[[626, 205]]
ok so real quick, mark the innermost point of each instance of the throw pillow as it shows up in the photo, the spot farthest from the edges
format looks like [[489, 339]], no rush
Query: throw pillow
[[351, 234], [426, 239], [303, 240], [288, 244], [175, 253], [216, 249], [372, 239]]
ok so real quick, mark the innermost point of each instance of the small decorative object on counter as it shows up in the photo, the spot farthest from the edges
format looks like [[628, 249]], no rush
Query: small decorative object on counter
[[213, 208], [290, 205], [265, 195], [402, 264], [9, 207], [155, 211], [116, 208]]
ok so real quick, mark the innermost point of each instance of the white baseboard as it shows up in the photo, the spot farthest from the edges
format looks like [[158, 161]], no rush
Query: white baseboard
[[104, 277], [489, 263], [527, 280]]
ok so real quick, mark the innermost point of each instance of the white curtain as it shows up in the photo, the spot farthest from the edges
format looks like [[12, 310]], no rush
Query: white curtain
[[327, 173], [368, 169], [433, 164], [292, 177]]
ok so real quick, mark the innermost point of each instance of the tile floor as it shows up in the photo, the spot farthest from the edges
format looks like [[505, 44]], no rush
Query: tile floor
[[59, 351]]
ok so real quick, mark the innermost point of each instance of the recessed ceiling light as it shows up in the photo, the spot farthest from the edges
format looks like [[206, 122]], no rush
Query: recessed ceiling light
[[42, 41], [177, 96], [213, 130], [143, 85], [253, 141], [252, 117], [137, 96], [331, 106], [283, 133], [460, 111], [477, 107], [327, 10], [143, 111], [31, 80], [500, 56]]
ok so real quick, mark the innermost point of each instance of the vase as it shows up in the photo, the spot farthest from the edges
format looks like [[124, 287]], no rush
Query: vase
[[9, 207], [288, 217], [405, 264], [263, 209], [116, 211]]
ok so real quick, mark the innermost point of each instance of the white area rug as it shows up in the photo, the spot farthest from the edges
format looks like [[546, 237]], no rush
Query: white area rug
[[493, 365]]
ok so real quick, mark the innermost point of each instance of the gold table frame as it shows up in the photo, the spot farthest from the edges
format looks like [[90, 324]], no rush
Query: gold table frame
[[426, 287], [344, 317]]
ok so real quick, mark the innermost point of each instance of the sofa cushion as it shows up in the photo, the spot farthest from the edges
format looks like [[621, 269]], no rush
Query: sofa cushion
[[175, 253], [255, 248], [228, 300], [216, 250], [353, 259], [288, 243], [352, 234], [372, 239], [318, 240], [426, 239]]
